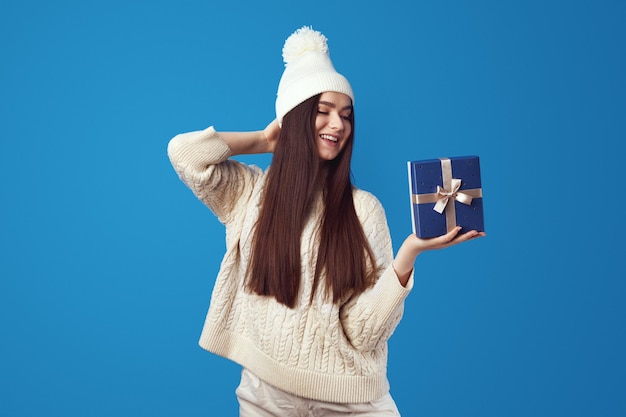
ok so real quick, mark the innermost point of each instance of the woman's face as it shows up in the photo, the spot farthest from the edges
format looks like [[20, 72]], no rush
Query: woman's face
[[332, 124]]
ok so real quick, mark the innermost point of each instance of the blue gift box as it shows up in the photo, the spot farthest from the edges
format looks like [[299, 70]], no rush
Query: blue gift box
[[445, 193]]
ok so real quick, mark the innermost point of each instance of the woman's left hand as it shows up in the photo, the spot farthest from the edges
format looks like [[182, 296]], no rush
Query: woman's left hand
[[413, 246], [451, 238]]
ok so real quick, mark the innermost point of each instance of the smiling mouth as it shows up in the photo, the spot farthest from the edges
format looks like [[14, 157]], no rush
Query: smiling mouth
[[329, 138]]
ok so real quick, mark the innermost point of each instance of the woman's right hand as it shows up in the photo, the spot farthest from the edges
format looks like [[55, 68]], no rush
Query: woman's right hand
[[271, 133], [258, 141]]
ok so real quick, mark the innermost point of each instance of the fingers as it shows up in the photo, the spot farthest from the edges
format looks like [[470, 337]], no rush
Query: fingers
[[472, 234], [444, 240], [452, 234], [452, 238], [272, 132]]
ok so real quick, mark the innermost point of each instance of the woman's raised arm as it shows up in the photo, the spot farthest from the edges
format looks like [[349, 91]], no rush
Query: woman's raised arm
[[260, 141]]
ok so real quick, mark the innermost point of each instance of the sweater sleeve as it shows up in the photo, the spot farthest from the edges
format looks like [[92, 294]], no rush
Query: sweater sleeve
[[370, 318], [201, 161]]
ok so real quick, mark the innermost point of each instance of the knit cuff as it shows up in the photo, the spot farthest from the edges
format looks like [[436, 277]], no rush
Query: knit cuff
[[198, 149], [209, 146]]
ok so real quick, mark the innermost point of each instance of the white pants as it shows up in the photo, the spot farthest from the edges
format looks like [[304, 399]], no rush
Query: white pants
[[260, 399]]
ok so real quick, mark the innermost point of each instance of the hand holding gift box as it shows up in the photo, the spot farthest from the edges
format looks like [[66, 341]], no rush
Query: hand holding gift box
[[446, 208], [445, 193]]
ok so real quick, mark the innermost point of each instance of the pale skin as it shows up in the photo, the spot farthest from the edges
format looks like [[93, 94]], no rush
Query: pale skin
[[333, 129]]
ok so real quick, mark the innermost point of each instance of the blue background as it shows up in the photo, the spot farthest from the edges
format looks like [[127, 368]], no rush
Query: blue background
[[107, 261]]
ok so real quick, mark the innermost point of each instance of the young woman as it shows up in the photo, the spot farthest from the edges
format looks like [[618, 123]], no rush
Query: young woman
[[308, 292]]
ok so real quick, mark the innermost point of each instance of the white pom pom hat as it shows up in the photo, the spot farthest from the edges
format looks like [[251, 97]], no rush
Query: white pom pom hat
[[308, 71]]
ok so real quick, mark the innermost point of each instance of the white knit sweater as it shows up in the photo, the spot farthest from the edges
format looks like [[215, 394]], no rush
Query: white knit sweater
[[322, 351]]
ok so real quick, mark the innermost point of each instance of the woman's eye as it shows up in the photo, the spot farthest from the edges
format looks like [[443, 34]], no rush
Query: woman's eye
[[322, 112]]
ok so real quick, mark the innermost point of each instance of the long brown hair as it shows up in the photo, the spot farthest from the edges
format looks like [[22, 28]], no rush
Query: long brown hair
[[294, 179]]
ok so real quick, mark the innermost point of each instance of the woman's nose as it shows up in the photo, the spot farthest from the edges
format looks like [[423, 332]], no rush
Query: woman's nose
[[335, 121]]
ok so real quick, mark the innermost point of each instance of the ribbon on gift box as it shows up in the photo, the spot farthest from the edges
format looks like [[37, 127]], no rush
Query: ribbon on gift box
[[445, 196]]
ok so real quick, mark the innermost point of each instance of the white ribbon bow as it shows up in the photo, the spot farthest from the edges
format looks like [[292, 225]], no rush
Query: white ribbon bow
[[443, 196]]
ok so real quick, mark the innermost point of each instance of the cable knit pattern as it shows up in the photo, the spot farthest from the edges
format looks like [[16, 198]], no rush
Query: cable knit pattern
[[323, 351]]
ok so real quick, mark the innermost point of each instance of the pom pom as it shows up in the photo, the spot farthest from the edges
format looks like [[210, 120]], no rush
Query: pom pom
[[301, 41]]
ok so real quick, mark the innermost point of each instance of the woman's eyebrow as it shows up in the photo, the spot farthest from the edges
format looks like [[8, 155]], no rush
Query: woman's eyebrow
[[332, 105]]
